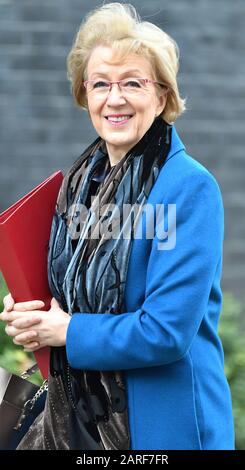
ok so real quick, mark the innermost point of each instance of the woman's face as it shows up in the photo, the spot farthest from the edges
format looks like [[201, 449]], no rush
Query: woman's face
[[142, 107]]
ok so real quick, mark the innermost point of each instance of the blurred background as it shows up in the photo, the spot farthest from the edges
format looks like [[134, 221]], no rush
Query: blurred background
[[41, 130]]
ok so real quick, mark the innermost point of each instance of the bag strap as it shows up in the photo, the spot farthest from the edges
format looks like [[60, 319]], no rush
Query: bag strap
[[29, 372], [29, 404]]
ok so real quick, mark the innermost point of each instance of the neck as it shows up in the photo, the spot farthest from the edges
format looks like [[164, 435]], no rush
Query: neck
[[115, 154]]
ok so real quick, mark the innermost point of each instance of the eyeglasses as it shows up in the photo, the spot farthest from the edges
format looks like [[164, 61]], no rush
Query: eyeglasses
[[128, 86]]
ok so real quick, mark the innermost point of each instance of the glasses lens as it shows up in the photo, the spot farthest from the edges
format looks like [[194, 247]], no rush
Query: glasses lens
[[132, 85], [98, 86]]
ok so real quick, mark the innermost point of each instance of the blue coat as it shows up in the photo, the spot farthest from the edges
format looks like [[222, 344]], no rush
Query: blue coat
[[166, 341]]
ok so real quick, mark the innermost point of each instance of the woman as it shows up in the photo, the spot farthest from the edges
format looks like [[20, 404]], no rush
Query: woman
[[145, 372]]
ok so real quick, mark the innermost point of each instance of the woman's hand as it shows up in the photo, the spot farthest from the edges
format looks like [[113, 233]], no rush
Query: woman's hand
[[33, 328]]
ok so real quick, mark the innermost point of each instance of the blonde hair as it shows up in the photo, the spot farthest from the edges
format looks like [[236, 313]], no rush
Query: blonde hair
[[119, 26]]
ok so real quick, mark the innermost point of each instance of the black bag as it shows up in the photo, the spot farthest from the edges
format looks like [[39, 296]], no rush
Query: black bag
[[20, 403]]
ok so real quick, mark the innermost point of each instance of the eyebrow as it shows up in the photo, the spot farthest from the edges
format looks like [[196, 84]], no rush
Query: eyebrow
[[126, 72]]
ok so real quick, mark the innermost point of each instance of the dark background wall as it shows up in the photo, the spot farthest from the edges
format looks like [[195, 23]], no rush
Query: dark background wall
[[41, 130]]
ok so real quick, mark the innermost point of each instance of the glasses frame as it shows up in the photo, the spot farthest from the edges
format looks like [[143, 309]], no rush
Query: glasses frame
[[146, 80]]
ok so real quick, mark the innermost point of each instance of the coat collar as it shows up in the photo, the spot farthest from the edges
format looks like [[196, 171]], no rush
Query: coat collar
[[176, 144]]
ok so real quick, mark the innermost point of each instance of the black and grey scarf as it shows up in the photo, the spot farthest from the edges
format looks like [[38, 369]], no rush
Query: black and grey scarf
[[87, 273]]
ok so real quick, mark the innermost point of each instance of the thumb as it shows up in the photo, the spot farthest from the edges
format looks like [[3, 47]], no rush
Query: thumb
[[54, 303]]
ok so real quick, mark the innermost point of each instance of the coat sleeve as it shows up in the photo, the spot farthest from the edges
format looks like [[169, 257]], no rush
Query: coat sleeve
[[178, 285]]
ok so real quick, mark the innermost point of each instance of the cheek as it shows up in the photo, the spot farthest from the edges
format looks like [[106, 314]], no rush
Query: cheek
[[93, 109], [95, 118], [147, 106]]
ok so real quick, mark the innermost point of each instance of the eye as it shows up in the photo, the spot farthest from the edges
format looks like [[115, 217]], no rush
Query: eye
[[100, 84], [132, 83]]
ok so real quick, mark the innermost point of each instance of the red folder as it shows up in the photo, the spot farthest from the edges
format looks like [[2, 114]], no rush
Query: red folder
[[24, 237]]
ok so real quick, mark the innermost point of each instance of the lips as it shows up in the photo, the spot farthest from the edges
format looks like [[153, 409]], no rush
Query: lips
[[118, 117], [118, 121]]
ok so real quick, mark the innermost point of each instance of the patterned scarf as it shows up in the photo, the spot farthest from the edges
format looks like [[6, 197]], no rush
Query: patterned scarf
[[87, 273]]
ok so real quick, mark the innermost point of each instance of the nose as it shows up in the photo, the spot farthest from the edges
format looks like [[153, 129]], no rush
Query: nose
[[115, 95]]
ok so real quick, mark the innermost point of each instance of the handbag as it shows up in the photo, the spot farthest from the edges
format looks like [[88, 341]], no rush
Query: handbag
[[20, 403]]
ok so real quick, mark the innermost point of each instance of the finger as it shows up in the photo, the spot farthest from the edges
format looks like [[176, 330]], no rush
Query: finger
[[11, 330], [7, 316], [31, 347], [10, 316], [15, 315], [24, 338], [26, 322], [29, 305], [8, 302]]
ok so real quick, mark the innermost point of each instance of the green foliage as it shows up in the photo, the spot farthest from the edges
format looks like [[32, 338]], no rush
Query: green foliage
[[231, 330], [232, 326], [12, 357]]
